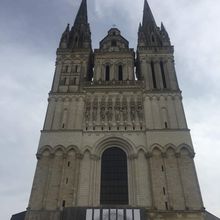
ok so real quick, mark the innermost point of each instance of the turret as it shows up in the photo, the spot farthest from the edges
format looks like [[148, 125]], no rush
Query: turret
[[75, 46], [80, 36], [149, 33], [155, 64]]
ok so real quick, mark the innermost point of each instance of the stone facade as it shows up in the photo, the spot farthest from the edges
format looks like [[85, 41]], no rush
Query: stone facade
[[111, 97]]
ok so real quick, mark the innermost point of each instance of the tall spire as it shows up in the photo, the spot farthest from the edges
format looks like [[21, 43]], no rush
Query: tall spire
[[148, 17], [80, 35], [149, 34], [82, 17]]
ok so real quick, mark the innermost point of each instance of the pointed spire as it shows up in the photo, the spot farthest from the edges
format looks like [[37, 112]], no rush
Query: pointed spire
[[148, 17], [65, 37], [165, 35], [162, 27], [80, 35], [82, 17]]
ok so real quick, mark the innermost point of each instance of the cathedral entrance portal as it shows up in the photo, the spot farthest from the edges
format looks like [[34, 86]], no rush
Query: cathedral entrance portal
[[114, 177]]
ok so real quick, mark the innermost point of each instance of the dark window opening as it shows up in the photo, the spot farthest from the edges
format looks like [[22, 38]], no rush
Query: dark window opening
[[76, 68], [166, 125], [114, 177], [66, 69], [109, 128], [153, 75], [113, 43], [67, 180], [164, 191], [63, 126], [166, 204], [133, 128], [117, 128], [162, 168], [152, 38], [120, 73], [107, 73], [68, 164], [93, 128], [64, 203], [163, 75], [76, 40]]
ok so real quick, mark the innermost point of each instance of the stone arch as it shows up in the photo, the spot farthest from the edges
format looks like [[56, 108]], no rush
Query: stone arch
[[107, 142], [141, 148], [156, 147], [59, 148], [184, 146], [170, 146], [45, 148], [87, 148], [72, 147]]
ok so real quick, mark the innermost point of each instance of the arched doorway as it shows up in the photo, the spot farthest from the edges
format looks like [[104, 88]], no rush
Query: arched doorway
[[114, 177]]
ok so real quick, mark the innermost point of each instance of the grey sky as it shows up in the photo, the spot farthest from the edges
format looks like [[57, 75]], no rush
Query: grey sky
[[30, 33]]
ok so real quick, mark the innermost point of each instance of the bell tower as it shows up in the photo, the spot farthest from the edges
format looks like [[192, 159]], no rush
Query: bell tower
[[115, 143]]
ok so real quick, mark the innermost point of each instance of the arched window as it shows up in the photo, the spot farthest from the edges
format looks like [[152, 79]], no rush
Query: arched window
[[113, 43], [120, 73], [163, 75], [114, 177], [153, 75], [107, 73]]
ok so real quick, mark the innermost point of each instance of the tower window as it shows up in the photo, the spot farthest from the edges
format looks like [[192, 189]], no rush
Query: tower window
[[64, 203], [166, 125], [107, 73], [153, 75], [68, 164], [113, 43], [114, 177], [76, 40], [164, 191], [66, 69], [166, 204], [163, 75], [153, 38], [120, 73], [76, 68]]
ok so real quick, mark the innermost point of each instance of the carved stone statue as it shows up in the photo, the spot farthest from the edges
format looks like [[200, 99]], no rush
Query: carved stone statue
[[109, 114], [117, 114], [125, 113], [102, 113], [140, 112], [132, 113], [94, 113]]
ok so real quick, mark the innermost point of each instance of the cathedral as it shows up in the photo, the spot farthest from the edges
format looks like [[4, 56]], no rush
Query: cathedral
[[115, 143]]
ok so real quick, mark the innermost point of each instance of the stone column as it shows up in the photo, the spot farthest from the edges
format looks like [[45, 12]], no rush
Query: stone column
[[50, 114], [148, 113], [57, 115], [172, 74], [57, 75], [158, 75]]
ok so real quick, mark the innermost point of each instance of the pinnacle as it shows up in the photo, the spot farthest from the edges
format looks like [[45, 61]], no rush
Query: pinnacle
[[82, 14], [148, 17]]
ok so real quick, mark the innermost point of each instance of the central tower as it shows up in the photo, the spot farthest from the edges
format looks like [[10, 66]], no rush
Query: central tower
[[115, 143]]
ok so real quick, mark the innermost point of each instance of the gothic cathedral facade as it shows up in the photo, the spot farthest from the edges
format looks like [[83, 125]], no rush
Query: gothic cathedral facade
[[115, 143]]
